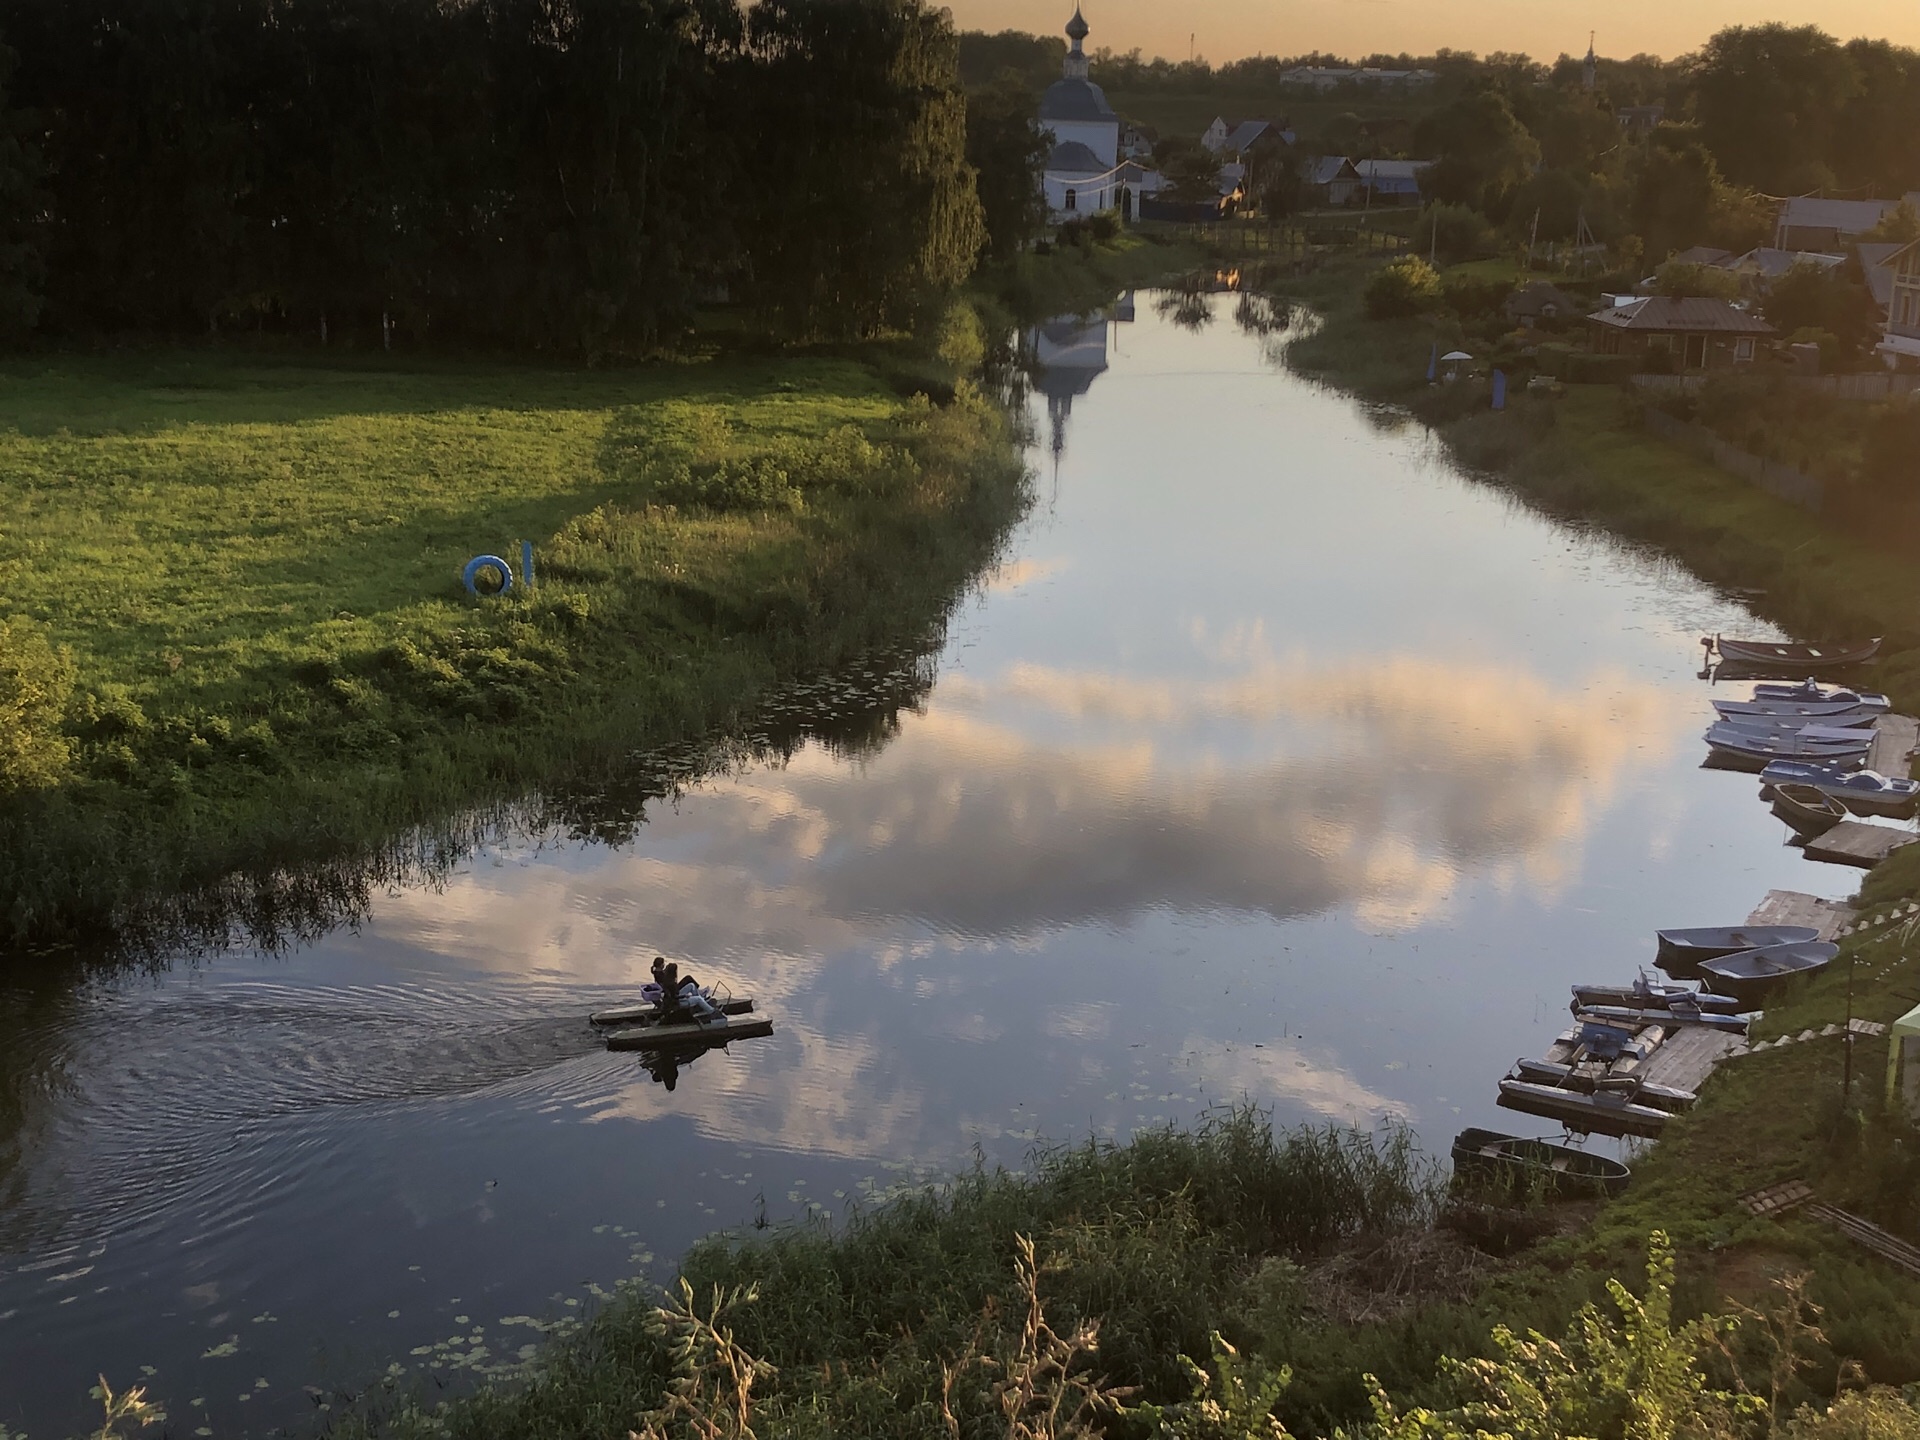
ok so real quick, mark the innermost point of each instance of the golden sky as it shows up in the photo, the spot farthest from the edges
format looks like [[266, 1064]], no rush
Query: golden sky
[[1227, 29]]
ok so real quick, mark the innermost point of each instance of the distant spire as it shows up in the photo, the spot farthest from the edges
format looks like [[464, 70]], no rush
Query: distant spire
[[1075, 66], [1587, 75]]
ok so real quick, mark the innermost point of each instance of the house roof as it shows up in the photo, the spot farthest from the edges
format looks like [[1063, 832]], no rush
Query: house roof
[[1076, 100], [1070, 157], [1848, 217], [1329, 168], [1538, 297], [1391, 169], [1874, 255], [1703, 255], [1693, 314], [1245, 134], [1770, 264]]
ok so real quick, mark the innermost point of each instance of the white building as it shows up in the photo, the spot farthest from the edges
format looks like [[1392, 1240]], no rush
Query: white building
[[1085, 173]]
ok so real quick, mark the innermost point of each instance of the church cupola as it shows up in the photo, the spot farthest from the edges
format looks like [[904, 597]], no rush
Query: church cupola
[[1075, 67]]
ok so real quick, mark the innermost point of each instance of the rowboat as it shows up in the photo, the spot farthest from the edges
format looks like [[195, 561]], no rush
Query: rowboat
[[1792, 657], [1811, 692], [1680, 1013], [1865, 792], [1807, 808], [1681, 952], [1787, 710], [1646, 994], [1752, 975], [1604, 1112], [1572, 1077], [720, 1030], [1518, 1161], [1814, 727], [1749, 750]]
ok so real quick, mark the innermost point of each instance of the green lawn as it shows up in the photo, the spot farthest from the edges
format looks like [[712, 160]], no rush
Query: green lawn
[[255, 563]]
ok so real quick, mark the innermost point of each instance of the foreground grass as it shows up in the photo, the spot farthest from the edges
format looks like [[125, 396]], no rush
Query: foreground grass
[[255, 565]]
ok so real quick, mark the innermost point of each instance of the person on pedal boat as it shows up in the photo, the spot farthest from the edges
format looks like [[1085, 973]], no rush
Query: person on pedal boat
[[680, 997]]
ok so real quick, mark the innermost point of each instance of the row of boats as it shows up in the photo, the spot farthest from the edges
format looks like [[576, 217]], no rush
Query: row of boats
[[1809, 744]]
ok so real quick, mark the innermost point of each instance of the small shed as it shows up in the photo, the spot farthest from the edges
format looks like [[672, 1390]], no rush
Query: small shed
[[1903, 1063], [1540, 301]]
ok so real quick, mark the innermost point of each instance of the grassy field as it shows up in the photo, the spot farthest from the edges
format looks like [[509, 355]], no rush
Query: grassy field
[[254, 563]]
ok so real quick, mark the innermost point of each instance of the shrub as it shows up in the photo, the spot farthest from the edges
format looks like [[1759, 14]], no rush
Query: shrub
[[1454, 233], [36, 682], [755, 482], [1406, 287], [1891, 442]]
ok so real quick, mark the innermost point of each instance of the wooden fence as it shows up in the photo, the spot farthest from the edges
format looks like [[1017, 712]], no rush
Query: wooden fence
[[1876, 385], [1788, 483]]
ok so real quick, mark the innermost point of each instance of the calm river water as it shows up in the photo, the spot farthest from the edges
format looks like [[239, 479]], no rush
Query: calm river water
[[1277, 761]]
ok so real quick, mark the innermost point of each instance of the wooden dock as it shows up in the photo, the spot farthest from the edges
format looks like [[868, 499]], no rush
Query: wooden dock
[[1895, 738], [1685, 1058], [1791, 907], [1855, 842]]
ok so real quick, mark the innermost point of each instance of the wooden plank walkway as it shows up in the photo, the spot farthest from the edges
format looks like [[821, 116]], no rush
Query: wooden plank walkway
[[1865, 1232], [1791, 907], [1894, 740], [1686, 1057], [1855, 842]]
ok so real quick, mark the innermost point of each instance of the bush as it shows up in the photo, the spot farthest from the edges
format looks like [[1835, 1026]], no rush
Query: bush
[[1891, 442], [1406, 287], [36, 682], [1474, 299]]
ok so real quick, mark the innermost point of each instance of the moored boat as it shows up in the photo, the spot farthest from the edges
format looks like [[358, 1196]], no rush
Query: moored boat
[[1521, 1161], [1808, 809], [1811, 692], [1791, 656], [1646, 994], [1680, 1013], [1605, 1112], [1812, 713], [1857, 725], [1751, 975], [1573, 1077], [1750, 750], [1681, 951], [1865, 792]]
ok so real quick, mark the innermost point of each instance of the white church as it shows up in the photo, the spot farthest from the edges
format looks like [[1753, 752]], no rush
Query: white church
[[1085, 173]]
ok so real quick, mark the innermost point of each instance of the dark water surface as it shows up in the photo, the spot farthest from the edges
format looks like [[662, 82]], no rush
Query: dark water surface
[[1277, 761]]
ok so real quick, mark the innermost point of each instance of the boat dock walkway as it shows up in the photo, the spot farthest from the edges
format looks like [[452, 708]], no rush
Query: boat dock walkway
[[1894, 740], [1856, 842], [1791, 907]]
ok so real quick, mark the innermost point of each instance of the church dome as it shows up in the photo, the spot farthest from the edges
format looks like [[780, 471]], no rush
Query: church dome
[[1076, 100], [1077, 27]]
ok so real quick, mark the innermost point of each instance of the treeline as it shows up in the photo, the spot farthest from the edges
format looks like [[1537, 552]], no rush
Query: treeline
[[569, 175]]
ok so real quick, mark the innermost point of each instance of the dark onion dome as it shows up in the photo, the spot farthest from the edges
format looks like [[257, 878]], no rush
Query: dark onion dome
[[1072, 158], [1075, 100], [1077, 27]]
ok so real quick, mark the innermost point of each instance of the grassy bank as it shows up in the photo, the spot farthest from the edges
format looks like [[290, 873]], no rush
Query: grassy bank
[[1584, 456], [234, 584]]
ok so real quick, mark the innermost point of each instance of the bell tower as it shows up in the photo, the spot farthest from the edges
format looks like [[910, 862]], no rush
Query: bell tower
[[1075, 66]]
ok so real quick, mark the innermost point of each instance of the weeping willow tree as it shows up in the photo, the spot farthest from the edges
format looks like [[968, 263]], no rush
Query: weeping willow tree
[[863, 212]]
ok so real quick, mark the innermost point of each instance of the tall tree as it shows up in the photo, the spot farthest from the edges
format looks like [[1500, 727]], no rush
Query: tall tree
[[862, 207], [1481, 152], [1768, 99], [1007, 151], [22, 210]]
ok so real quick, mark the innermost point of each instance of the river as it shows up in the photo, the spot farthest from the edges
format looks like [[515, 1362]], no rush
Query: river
[[1277, 761]]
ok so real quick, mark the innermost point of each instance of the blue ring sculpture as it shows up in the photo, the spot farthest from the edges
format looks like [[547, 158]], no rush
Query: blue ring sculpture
[[482, 562]]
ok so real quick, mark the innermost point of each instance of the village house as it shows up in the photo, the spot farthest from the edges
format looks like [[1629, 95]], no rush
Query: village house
[[1321, 78], [1393, 182], [1698, 333], [1637, 121], [1230, 138], [1900, 344], [1806, 222], [1332, 180]]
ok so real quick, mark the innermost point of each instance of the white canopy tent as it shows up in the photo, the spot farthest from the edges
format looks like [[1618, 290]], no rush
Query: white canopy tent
[[1903, 1062]]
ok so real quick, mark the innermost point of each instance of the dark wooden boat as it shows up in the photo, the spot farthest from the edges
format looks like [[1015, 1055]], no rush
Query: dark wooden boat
[[1752, 975], [1809, 810], [689, 1033], [1682, 951], [648, 1013], [1791, 657], [1573, 1077], [1646, 994], [1605, 1112], [1520, 1162]]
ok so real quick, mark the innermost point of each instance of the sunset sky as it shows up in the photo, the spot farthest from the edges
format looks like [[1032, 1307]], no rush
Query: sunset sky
[[1227, 29]]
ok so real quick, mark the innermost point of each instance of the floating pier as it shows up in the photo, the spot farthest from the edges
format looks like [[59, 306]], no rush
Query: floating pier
[[1855, 842], [1791, 907], [1895, 738]]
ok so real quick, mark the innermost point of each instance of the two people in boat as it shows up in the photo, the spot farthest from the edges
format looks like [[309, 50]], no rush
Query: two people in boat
[[680, 997]]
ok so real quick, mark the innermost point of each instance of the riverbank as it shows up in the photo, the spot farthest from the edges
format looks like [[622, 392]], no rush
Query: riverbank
[[251, 565]]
